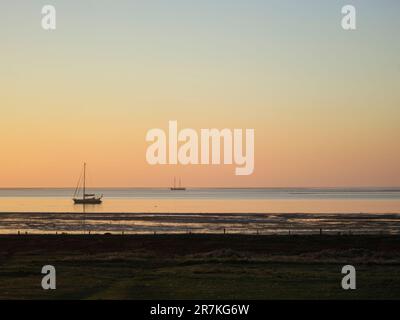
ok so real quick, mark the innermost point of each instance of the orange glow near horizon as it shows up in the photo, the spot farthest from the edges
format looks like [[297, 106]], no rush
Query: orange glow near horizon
[[117, 158]]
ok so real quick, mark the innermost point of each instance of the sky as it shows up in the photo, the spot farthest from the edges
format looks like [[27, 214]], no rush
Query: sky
[[324, 102]]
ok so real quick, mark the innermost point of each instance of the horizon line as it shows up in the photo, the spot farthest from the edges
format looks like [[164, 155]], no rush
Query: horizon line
[[213, 187]]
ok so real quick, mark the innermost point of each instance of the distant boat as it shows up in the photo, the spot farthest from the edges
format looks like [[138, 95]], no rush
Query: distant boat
[[87, 198], [179, 187]]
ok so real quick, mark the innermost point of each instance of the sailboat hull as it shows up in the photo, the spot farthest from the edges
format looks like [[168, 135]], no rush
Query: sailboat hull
[[178, 189], [88, 201]]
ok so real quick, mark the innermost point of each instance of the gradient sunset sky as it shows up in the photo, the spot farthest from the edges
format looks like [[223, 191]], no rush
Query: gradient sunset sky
[[324, 102]]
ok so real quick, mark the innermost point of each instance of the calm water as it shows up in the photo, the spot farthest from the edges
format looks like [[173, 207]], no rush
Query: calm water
[[384, 200], [134, 210]]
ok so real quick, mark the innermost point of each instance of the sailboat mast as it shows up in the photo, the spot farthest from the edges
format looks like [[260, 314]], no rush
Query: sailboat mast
[[84, 180], [87, 198]]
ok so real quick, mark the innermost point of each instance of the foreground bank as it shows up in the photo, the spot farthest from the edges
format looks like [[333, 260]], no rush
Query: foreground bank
[[199, 266]]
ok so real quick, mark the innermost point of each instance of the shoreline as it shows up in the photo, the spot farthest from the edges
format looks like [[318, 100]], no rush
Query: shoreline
[[181, 244]]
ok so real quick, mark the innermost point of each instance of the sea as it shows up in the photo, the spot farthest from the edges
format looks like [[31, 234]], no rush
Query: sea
[[202, 210]]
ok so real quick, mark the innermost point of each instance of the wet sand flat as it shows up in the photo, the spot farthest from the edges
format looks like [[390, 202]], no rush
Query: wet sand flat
[[217, 223]]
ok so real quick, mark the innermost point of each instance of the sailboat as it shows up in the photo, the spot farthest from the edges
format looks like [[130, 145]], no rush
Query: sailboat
[[87, 198], [179, 187]]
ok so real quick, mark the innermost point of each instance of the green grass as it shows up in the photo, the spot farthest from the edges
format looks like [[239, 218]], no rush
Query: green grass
[[146, 273], [131, 278]]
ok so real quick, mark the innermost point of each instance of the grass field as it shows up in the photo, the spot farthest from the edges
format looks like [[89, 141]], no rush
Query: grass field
[[199, 267]]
